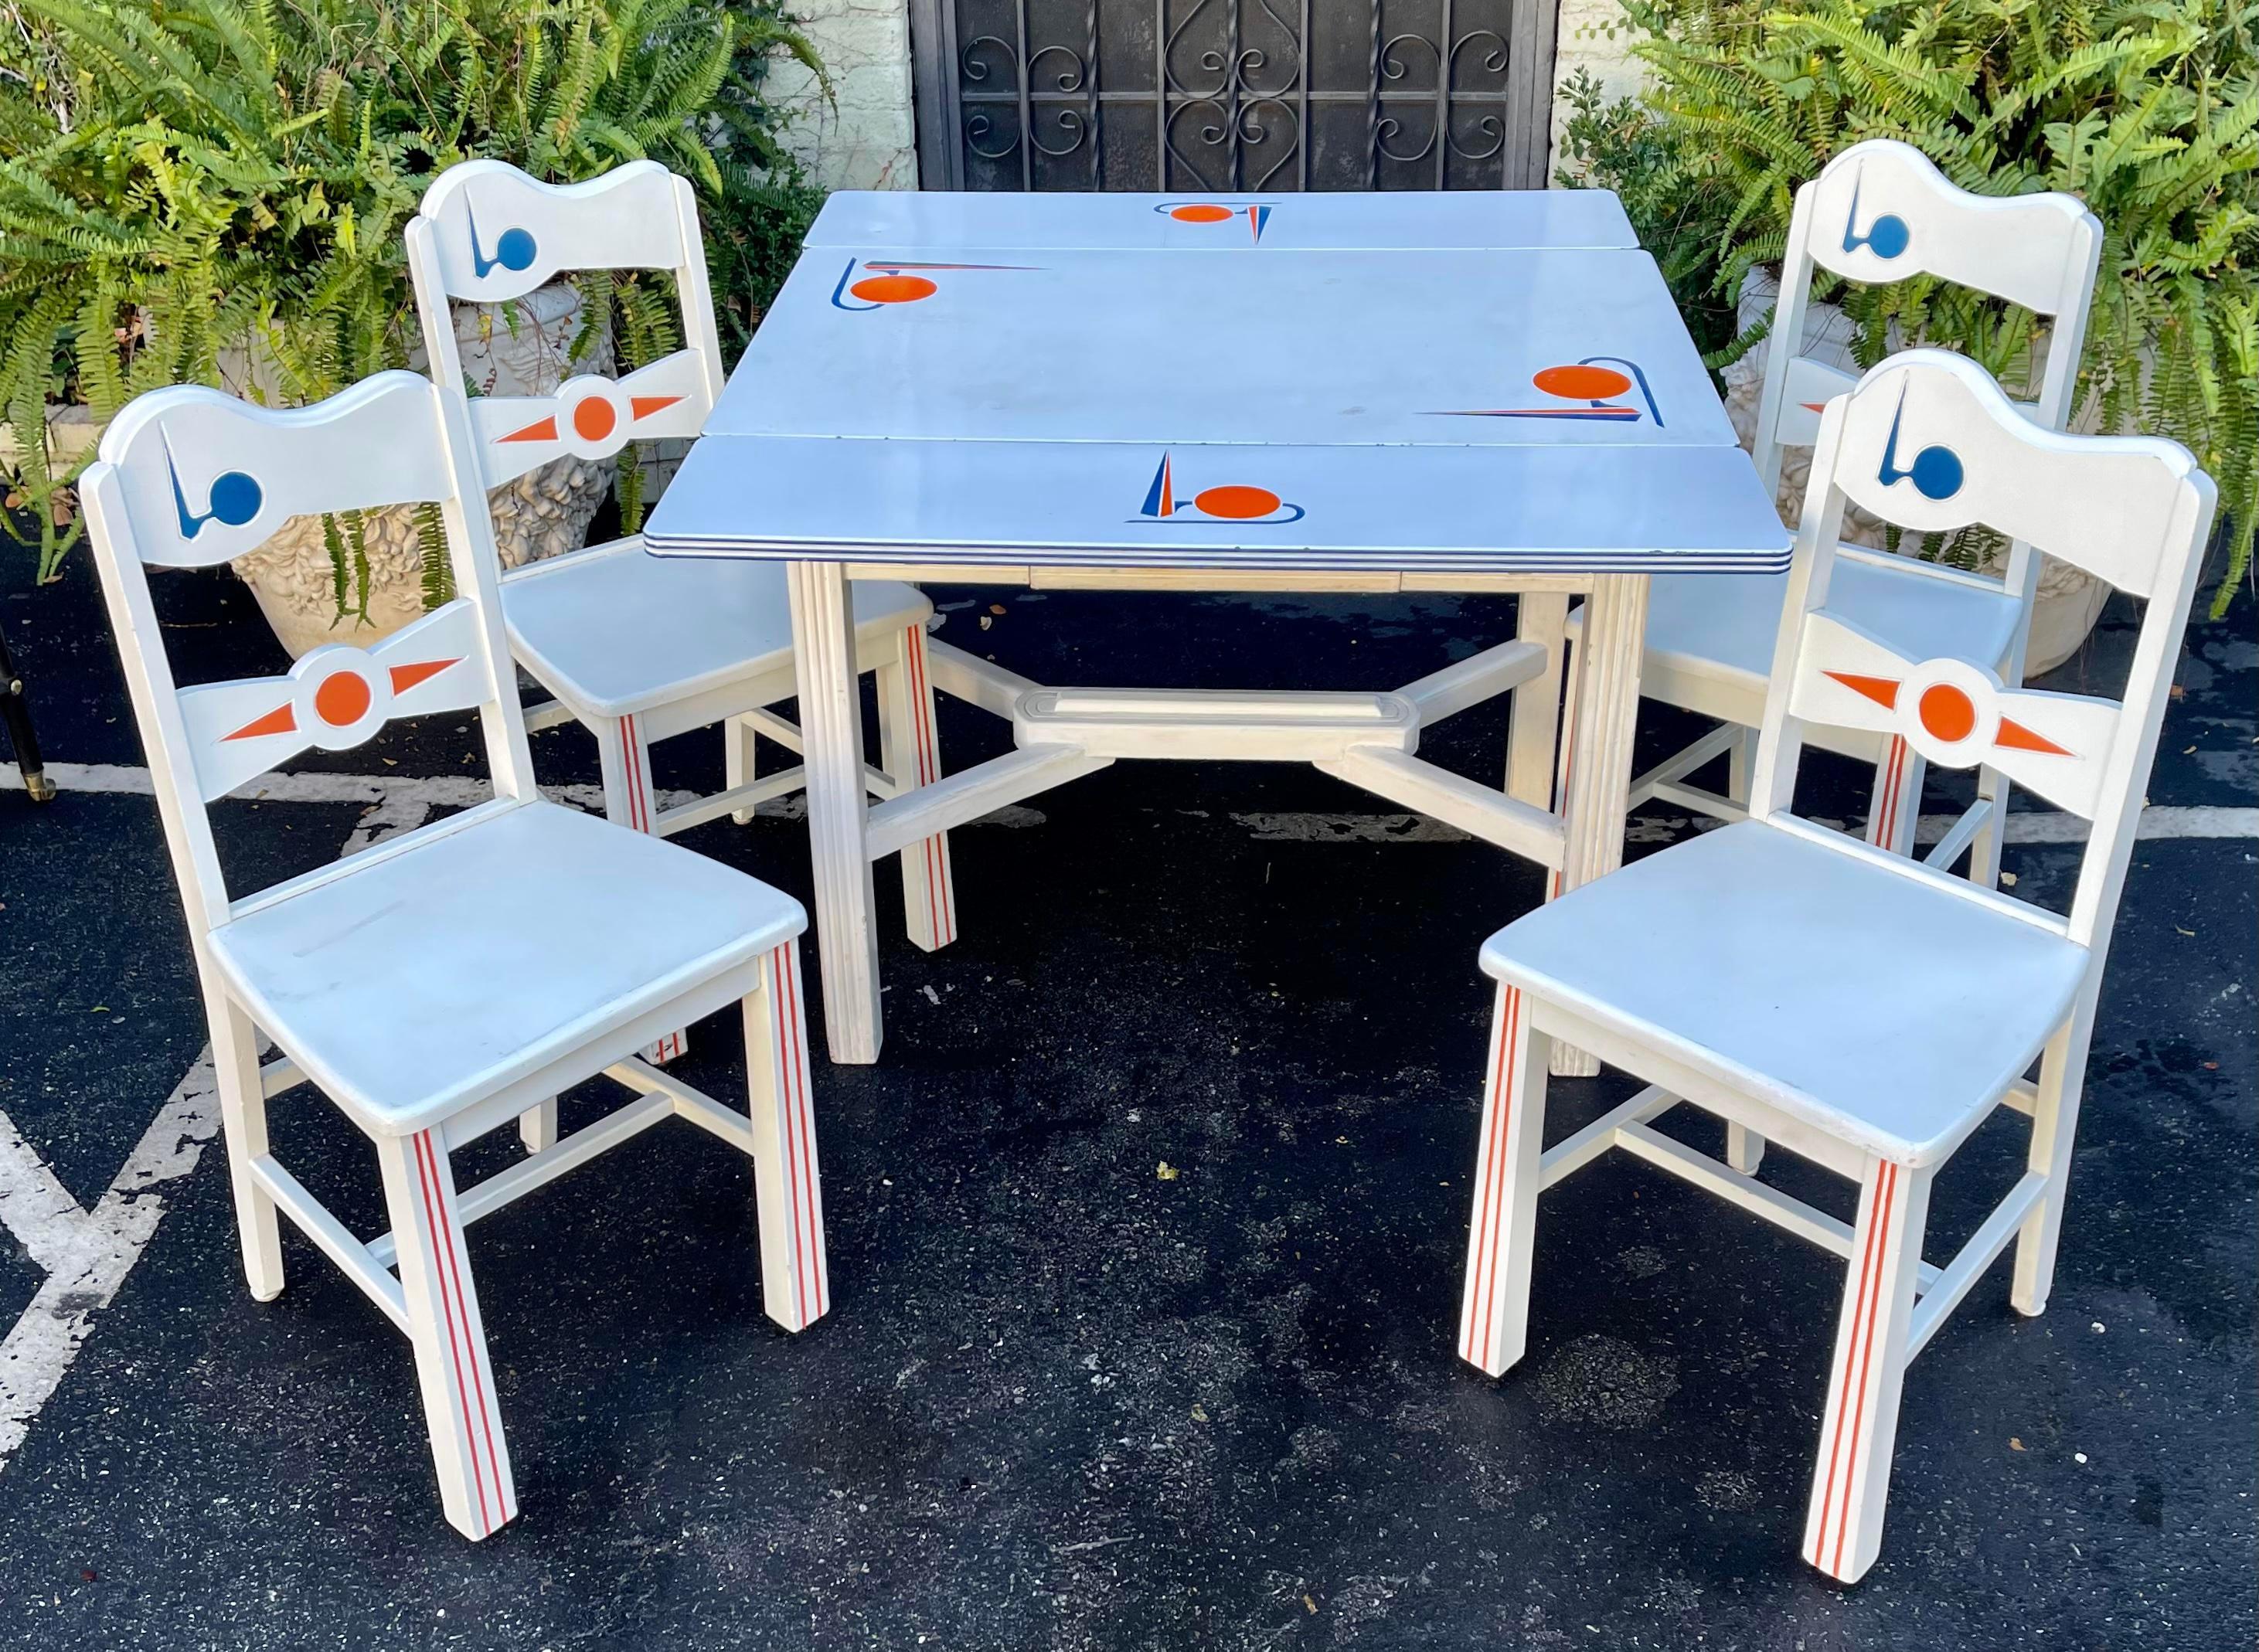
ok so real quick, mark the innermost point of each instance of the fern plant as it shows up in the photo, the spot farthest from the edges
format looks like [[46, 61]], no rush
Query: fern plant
[[2148, 110], [189, 177]]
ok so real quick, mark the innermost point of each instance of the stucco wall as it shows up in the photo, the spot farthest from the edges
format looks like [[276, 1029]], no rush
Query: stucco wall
[[864, 137], [1593, 37]]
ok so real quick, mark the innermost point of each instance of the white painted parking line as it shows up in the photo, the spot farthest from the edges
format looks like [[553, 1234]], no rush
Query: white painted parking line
[[96, 1249], [34, 1207], [86, 1255], [2025, 826], [400, 797]]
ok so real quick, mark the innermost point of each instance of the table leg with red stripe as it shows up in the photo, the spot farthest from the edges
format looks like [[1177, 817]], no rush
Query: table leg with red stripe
[[451, 1366], [631, 801], [1858, 1431], [787, 1182], [1494, 1309], [911, 751]]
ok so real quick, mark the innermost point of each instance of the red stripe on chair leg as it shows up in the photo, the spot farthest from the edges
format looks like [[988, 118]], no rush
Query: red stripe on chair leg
[[627, 773], [928, 757], [1486, 1250], [1885, 1193], [1897, 782], [802, 1116], [785, 1065], [434, 1227], [1486, 1165], [1481, 1218], [478, 1375], [925, 751], [1850, 1356], [632, 761], [1506, 1130], [1893, 776]]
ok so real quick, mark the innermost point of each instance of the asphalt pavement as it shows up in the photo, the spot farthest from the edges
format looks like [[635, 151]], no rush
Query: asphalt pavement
[[1145, 1237]]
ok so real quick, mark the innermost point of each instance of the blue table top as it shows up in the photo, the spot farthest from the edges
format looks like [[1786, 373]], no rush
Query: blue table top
[[1094, 380]]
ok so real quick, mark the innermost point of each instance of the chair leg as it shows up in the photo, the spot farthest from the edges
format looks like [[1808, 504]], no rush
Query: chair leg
[[537, 1127], [740, 765], [788, 1189], [1985, 847], [1532, 739], [2055, 1121], [1572, 678], [1858, 1432], [1494, 1310], [1744, 1147], [632, 801], [1897, 807], [911, 751], [1741, 763], [242, 1116], [451, 1366]]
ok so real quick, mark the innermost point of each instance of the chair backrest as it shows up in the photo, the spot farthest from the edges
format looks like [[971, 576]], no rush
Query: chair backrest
[[1928, 441], [191, 477], [1880, 211], [488, 233]]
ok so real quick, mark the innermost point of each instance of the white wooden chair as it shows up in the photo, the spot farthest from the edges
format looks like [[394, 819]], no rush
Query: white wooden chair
[[443, 981], [1880, 211], [639, 647], [1862, 1008]]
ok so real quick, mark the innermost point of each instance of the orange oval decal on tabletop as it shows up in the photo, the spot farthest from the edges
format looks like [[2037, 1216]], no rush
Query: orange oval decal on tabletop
[[893, 290], [1235, 503], [1581, 383]]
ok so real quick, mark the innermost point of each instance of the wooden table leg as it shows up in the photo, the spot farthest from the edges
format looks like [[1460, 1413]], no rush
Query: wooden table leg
[[1543, 619], [1599, 773], [831, 732]]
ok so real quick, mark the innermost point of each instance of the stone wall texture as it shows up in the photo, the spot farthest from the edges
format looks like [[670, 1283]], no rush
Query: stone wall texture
[[863, 136], [1593, 37]]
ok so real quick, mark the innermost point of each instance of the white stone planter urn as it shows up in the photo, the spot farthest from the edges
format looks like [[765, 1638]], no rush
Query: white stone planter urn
[[542, 514], [2070, 600]]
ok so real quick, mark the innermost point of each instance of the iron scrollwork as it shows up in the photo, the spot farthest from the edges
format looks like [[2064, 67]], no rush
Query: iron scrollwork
[[1230, 102]]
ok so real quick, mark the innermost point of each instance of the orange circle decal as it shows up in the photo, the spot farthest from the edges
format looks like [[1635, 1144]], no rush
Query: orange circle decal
[[893, 290], [343, 699], [1947, 712], [1204, 212], [1235, 503], [1581, 384], [592, 418]]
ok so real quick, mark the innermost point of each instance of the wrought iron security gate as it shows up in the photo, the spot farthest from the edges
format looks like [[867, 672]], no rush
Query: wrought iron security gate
[[1232, 95]]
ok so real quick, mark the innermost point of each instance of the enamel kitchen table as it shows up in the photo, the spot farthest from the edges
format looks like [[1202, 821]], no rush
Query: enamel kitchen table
[[1465, 392]]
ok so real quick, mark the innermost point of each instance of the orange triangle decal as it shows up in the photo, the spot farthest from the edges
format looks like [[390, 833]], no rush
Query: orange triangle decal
[[2016, 737], [1884, 691], [643, 407], [539, 431], [406, 677], [281, 720]]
